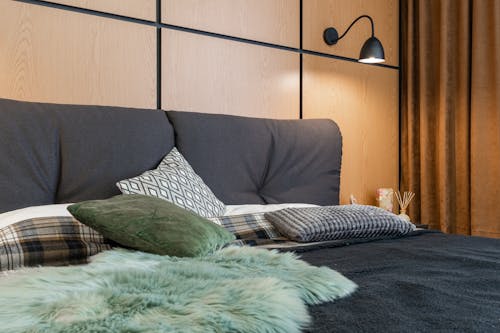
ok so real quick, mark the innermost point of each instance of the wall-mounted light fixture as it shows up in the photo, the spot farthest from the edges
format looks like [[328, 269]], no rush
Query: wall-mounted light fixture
[[372, 51]]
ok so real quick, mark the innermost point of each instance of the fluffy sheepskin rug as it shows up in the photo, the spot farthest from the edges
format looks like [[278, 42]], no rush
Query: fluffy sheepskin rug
[[234, 290]]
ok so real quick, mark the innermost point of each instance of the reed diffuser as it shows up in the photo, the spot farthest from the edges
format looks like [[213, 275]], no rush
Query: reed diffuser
[[404, 202]]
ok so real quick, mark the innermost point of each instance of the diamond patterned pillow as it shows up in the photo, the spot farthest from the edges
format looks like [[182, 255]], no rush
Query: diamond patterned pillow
[[175, 181]]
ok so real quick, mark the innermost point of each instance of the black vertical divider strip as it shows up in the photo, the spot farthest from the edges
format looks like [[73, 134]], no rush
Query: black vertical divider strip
[[400, 101], [158, 55], [471, 27], [301, 59]]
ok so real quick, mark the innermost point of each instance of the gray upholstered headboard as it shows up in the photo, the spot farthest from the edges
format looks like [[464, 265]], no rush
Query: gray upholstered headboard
[[61, 153], [65, 153], [250, 160]]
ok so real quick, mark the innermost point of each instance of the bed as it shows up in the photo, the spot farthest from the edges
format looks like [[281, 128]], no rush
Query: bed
[[427, 281]]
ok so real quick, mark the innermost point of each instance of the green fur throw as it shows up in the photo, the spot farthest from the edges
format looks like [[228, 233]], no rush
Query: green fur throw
[[233, 290]]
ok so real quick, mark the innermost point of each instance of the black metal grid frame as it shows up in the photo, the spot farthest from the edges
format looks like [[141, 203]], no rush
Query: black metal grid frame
[[159, 25]]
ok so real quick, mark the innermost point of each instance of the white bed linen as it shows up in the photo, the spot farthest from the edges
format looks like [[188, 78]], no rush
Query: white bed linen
[[22, 214], [252, 209]]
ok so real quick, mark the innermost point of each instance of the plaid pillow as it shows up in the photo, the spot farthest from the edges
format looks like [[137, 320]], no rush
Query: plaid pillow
[[273, 243], [249, 229], [338, 222], [54, 241]]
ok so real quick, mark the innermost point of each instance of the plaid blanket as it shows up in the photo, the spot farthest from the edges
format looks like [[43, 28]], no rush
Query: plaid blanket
[[250, 229], [51, 241]]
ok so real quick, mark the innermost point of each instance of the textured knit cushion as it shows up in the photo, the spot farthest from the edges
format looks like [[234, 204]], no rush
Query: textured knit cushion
[[53, 241], [338, 222], [174, 180], [152, 225]]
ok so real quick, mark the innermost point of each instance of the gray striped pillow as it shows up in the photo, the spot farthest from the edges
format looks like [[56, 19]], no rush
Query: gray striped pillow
[[313, 224]]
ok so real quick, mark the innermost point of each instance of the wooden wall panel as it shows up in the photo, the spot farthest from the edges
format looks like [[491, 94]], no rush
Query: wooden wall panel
[[363, 100], [272, 21], [211, 75], [320, 14], [58, 56], [142, 9]]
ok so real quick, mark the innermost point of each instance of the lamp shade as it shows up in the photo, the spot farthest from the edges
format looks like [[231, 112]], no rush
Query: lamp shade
[[372, 51]]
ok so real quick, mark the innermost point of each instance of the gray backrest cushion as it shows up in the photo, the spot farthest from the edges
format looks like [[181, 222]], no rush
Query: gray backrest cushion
[[249, 160], [29, 162], [66, 153]]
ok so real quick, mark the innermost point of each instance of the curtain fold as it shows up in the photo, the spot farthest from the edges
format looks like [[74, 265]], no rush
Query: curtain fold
[[485, 119], [450, 114]]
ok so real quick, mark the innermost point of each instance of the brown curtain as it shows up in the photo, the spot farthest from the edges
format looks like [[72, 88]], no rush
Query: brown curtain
[[451, 113]]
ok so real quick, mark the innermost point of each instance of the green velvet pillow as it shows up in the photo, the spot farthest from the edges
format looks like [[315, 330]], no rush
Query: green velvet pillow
[[152, 225]]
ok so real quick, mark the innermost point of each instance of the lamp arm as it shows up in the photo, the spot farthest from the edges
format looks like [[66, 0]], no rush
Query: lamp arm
[[356, 20]]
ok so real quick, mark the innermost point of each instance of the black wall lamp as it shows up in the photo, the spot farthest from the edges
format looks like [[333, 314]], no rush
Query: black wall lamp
[[372, 51]]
